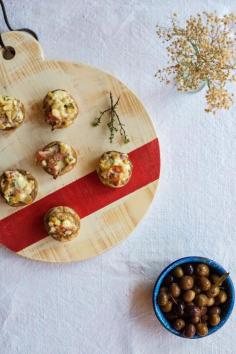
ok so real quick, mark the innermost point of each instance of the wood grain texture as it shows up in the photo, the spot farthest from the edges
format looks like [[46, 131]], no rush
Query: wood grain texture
[[29, 77], [99, 232]]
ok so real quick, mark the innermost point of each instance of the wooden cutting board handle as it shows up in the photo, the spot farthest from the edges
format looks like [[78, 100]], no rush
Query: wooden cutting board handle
[[26, 47]]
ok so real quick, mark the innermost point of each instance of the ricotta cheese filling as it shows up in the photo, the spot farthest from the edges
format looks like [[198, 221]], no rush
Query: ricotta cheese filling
[[11, 112], [16, 187], [60, 106], [56, 158], [62, 224], [115, 168]]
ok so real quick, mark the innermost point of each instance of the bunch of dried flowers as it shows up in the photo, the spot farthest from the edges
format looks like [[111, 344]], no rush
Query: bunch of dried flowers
[[202, 51]]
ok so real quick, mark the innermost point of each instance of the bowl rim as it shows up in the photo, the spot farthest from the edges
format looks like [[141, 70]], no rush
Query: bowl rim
[[191, 259]]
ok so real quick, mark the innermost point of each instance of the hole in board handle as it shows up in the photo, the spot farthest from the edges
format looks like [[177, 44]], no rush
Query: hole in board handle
[[8, 53]]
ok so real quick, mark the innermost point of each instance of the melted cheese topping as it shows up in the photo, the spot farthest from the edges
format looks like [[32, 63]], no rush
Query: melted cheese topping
[[17, 187], [56, 158], [115, 168], [61, 224], [60, 108], [11, 112]]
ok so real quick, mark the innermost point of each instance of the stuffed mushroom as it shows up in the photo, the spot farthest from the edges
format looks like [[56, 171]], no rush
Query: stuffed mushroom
[[18, 187], [62, 223], [12, 112], [60, 109], [114, 169], [57, 158]]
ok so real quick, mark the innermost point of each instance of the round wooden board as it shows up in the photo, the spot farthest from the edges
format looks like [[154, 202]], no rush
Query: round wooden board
[[107, 216]]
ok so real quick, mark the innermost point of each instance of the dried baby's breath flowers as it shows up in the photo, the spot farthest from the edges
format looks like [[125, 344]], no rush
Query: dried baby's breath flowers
[[203, 51], [114, 124]]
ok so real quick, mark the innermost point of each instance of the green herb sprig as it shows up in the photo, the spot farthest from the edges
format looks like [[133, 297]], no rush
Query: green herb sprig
[[114, 125]]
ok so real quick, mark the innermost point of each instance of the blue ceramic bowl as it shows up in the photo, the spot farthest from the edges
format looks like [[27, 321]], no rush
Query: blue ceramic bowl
[[226, 308]]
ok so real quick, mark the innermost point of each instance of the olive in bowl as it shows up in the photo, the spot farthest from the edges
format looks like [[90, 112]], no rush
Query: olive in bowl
[[193, 297]]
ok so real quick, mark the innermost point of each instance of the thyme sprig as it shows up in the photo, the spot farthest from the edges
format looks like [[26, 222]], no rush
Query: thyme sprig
[[114, 125]]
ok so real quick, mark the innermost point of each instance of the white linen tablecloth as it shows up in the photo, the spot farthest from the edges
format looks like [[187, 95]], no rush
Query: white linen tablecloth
[[103, 306]]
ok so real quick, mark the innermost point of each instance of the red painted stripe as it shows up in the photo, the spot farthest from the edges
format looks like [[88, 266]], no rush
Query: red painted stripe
[[86, 195]]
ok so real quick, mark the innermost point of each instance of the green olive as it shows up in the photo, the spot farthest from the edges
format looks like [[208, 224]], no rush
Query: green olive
[[174, 290], [163, 298], [210, 301], [179, 324], [186, 282], [189, 295], [204, 283], [178, 272], [202, 329], [214, 320], [202, 270], [195, 319], [221, 298], [201, 300], [167, 307], [213, 291]]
